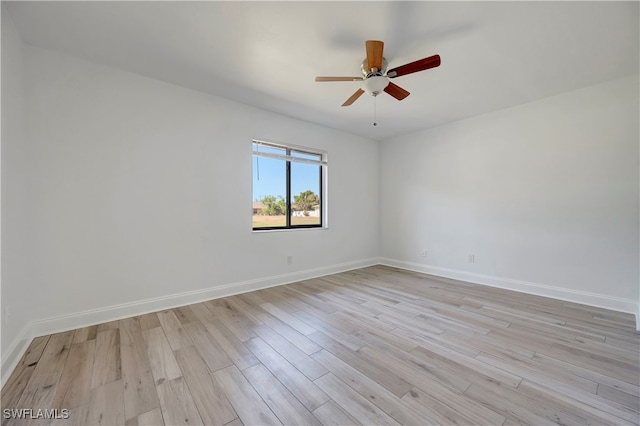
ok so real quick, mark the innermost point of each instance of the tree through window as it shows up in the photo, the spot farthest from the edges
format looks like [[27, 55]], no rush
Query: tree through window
[[287, 186]]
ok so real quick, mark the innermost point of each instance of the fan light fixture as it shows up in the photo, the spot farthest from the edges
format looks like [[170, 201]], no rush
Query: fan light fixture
[[375, 77], [375, 84]]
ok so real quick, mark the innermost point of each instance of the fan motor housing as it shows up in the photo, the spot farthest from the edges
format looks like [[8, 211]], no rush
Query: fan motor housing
[[366, 72]]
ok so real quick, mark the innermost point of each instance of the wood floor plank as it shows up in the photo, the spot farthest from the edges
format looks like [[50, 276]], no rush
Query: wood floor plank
[[303, 388], [376, 371], [486, 343], [301, 341], [130, 332], [139, 387], [433, 410], [525, 369], [507, 404], [186, 314], [410, 324], [51, 363], [626, 399], [299, 325], [176, 403], [469, 408], [237, 352], [12, 391], [330, 319], [233, 318], [470, 316], [427, 338], [306, 298], [364, 322], [382, 339], [210, 350], [111, 325], [211, 402], [84, 334], [525, 338], [295, 356], [601, 349], [342, 305], [620, 370], [176, 334], [35, 350], [618, 318], [445, 323], [251, 312], [106, 364], [352, 402], [75, 417], [395, 407], [627, 344], [196, 312], [149, 320], [610, 412], [36, 398], [417, 370], [282, 402], [560, 411], [250, 407], [469, 365], [161, 359], [279, 300], [331, 414], [349, 340], [292, 301], [17, 382], [550, 364], [75, 381], [106, 404], [150, 418]]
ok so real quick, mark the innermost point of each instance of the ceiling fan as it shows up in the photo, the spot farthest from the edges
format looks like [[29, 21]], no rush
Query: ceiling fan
[[376, 77]]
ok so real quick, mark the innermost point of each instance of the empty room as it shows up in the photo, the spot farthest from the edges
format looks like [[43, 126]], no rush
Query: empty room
[[305, 213]]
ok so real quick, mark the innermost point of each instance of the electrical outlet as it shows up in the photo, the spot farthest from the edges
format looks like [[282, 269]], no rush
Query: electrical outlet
[[423, 252], [6, 314], [472, 258], [289, 260]]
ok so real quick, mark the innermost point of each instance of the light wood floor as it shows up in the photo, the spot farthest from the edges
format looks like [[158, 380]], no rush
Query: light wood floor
[[371, 346]]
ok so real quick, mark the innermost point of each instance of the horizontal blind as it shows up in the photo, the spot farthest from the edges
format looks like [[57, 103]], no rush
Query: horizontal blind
[[256, 151]]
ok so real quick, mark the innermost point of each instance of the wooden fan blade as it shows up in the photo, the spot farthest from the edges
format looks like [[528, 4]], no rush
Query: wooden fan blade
[[338, 78], [396, 91], [353, 97], [419, 65], [374, 54]]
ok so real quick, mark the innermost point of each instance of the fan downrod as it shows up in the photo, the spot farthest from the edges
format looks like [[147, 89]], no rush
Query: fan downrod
[[366, 72]]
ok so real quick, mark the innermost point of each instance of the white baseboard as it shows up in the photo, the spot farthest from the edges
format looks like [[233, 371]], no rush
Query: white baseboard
[[12, 355], [586, 298], [75, 320]]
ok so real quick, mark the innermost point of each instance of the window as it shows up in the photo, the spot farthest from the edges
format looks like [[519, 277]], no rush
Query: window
[[287, 186]]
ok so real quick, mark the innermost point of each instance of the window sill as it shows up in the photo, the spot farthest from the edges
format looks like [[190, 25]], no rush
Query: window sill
[[266, 231]]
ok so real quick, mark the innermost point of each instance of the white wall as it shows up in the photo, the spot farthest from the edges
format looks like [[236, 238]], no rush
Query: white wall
[[141, 190], [545, 195], [17, 288]]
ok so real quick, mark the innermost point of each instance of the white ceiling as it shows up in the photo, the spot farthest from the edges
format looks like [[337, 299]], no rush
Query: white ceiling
[[494, 54]]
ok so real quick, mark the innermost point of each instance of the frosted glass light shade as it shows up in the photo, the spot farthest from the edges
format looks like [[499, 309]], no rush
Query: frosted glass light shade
[[374, 85]]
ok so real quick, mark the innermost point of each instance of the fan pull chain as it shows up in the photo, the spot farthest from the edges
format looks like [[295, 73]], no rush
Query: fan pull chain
[[375, 111]]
